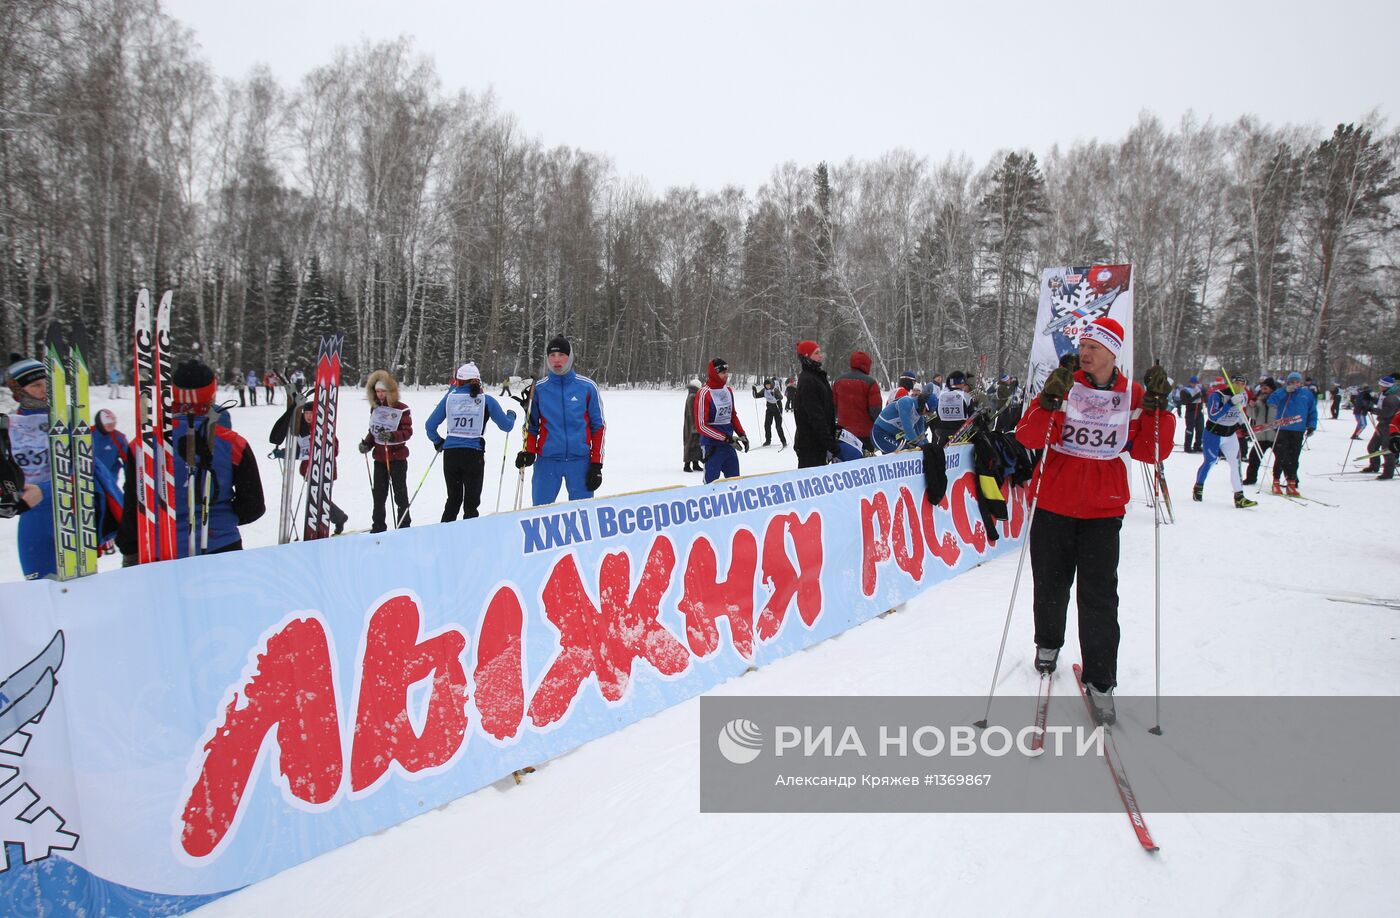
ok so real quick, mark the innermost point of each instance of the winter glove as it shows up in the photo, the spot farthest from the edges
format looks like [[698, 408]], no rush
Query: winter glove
[[510, 415], [1158, 388], [437, 445], [978, 400], [524, 458], [744, 441], [594, 479], [366, 446], [1237, 400], [1056, 388], [1394, 443]]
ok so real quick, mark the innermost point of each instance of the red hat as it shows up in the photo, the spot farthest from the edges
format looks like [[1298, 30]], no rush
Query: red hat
[[860, 360], [1104, 331], [806, 348], [192, 388]]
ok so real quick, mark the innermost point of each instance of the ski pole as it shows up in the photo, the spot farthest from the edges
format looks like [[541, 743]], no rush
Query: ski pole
[[1157, 579], [1020, 564], [501, 480], [389, 477], [519, 488], [421, 482], [190, 496]]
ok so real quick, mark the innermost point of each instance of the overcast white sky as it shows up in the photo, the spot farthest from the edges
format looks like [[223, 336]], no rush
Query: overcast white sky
[[718, 92]]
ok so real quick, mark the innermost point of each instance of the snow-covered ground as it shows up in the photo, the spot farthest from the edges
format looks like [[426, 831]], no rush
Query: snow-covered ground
[[613, 828]]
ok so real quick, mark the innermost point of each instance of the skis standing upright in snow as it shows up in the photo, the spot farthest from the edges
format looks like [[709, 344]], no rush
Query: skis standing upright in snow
[[65, 499], [155, 461], [80, 416], [321, 470], [164, 419]]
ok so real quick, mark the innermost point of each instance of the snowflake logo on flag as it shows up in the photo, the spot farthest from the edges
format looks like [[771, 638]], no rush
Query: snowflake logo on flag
[[24, 819]]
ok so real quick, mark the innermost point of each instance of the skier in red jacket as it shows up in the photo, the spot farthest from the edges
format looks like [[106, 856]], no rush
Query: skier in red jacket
[[1088, 420], [857, 397]]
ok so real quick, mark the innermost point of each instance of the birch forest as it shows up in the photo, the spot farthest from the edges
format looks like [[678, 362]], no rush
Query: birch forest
[[420, 220]]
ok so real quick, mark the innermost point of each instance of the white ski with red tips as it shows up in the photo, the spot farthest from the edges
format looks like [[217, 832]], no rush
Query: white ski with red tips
[[1042, 712], [1120, 776]]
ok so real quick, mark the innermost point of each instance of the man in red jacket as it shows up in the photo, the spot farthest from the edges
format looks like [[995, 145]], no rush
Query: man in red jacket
[[857, 397], [1085, 421]]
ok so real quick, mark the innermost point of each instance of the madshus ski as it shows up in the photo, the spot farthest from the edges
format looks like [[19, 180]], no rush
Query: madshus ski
[[1120, 776], [320, 472]]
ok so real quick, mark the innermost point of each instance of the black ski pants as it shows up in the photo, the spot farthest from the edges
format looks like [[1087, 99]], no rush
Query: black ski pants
[[463, 468], [810, 458], [1377, 443], [1062, 549], [1195, 425], [774, 415], [1288, 445], [396, 473]]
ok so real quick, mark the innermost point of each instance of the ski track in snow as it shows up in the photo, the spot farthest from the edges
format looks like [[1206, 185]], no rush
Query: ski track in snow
[[613, 828]]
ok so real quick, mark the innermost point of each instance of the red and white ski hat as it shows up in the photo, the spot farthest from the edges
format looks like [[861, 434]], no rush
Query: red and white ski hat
[[1104, 331], [192, 388]]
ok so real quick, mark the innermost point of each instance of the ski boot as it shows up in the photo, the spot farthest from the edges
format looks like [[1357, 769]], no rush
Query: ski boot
[[1196, 492], [1292, 490], [1276, 489], [1242, 502], [1102, 703], [1045, 658]]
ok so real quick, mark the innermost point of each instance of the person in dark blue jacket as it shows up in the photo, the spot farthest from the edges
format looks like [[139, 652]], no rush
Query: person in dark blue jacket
[[465, 408], [29, 445], [564, 436], [1292, 400], [901, 423], [719, 425], [236, 496]]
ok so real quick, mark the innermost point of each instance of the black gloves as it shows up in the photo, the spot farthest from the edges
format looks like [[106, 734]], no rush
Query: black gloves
[[1158, 386], [524, 458], [1056, 388], [366, 446], [1394, 443], [594, 479], [738, 440], [438, 445]]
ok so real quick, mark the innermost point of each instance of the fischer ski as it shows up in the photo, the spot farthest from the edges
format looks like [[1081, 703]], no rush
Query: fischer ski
[[65, 498], [80, 421], [1114, 761]]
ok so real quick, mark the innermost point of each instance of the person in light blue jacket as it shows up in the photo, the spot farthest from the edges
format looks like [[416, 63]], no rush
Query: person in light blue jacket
[[901, 423], [1292, 400], [564, 436], [466, 409]]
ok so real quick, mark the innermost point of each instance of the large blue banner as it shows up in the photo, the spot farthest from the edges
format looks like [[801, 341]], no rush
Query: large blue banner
[[175, 731]]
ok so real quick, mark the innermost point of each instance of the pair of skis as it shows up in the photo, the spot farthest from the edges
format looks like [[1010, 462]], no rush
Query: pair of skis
[[1111, 756], [152, 451], [70, 455], [320, 473]]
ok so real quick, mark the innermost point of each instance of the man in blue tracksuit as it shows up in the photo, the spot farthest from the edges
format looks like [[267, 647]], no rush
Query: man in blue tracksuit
[[466, 409], [901, 423], [236, 497], [1292, 400], [564, 436], [29, 444]]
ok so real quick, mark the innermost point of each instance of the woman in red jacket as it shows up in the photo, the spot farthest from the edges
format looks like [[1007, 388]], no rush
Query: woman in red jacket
[[1088, 420]]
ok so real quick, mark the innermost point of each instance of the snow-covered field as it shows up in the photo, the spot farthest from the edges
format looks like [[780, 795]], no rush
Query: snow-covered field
[[614, 829]]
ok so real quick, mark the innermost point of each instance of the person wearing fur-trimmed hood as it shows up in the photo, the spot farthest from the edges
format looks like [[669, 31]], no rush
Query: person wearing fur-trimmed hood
[[466, 409], [390, 427]]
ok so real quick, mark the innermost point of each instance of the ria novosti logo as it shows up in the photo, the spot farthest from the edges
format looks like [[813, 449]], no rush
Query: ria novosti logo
[[740, 741]]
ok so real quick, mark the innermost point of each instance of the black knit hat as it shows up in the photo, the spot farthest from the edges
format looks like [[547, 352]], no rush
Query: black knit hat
[[24, 370], [558, 345]]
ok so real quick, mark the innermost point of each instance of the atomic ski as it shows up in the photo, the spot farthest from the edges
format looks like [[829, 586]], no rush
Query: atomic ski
[[321, 470], [168, 537], [1120, 776]]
